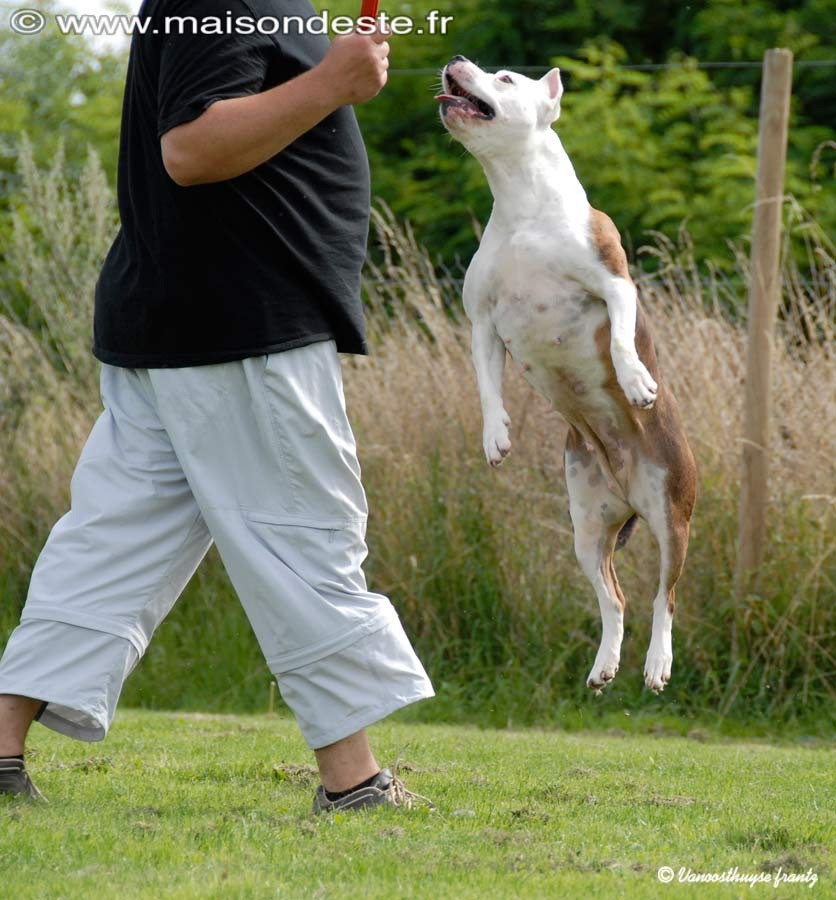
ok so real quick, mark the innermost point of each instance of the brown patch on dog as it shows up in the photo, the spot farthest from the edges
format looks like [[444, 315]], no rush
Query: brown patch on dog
[[667, 445], [679, 530], [660, 435], [614, 583], [579, 451], [644, 348], [608, 567], [656, 435], [607, 242]]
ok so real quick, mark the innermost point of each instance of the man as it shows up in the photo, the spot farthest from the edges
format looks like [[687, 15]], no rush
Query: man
[[220, 311]]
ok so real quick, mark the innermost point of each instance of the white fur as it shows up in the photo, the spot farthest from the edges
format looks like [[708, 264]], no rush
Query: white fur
[[539, 205], [538, 290]]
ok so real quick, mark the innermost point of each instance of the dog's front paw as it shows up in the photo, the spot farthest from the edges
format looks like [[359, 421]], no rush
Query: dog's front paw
[[496, 440], [637, 383]]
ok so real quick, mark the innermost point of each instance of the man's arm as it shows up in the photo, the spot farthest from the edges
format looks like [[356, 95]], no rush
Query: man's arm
[[235, 136]]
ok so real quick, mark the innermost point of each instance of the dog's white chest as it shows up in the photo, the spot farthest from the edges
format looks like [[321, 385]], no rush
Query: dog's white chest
[[546, 319]]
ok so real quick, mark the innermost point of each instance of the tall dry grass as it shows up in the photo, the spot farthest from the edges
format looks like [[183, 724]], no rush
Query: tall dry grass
[[478, 561], [448, 531], [60, 232]]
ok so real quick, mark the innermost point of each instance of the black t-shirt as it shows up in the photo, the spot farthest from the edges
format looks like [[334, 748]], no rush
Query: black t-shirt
[[264, 262]]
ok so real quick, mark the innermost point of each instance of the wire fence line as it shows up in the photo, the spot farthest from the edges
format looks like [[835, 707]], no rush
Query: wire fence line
[[642, 67], [637, 67]]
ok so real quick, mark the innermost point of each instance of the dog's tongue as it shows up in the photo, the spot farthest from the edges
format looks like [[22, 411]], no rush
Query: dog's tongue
[[441, 97]]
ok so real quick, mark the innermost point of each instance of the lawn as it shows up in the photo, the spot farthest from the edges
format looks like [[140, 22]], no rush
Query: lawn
[[177, 805]]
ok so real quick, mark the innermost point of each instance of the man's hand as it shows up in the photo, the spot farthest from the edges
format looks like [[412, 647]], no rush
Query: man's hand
[[236, 136], [358, 65]]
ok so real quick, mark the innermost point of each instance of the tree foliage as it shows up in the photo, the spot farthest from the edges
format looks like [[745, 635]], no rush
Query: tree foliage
[[655, 148], [58, 90]]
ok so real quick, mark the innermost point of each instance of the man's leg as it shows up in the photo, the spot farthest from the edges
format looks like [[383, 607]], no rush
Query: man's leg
[[347, 763], [276, 477], [16, 715], [109, 573]]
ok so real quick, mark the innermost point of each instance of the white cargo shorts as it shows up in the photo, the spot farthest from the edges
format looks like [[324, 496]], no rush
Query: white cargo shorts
[[259, 457]]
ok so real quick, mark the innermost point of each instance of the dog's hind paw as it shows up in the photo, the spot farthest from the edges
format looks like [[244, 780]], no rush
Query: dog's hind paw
[[601, 676], [657, 671]]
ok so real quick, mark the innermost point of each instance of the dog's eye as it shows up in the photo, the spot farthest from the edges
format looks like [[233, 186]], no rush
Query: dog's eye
[[507, 79]]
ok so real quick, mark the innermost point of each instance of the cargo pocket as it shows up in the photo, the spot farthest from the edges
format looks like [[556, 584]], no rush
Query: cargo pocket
[[324, 553], [303, 586], [302, 395]]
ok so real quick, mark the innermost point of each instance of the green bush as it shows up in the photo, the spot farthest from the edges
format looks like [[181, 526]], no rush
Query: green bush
[[654, 149]]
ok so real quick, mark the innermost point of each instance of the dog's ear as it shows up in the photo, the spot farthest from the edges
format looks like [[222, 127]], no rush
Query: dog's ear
[[553, 89]]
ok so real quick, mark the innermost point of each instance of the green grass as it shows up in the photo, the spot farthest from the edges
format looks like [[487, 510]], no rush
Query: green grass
[[177, 805]]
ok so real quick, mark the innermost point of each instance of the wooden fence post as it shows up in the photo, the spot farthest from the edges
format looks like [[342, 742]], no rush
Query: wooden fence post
[[763, 303]]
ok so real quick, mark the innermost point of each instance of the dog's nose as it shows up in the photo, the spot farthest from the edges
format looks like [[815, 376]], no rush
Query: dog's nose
[[458, 58]]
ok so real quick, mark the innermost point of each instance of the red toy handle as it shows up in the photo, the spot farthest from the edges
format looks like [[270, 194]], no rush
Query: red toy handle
[[370, 8]]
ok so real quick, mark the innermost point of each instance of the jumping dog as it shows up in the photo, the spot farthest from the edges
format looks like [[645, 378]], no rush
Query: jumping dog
[[550, 287]]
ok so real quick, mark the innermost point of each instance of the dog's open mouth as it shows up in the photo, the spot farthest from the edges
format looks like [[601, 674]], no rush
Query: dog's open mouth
[[456, 97]]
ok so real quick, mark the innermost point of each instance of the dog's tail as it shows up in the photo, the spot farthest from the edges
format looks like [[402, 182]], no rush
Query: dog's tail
[[626, 530]]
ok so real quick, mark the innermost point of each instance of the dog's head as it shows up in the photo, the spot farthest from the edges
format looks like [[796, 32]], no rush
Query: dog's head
[[494, 113]]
